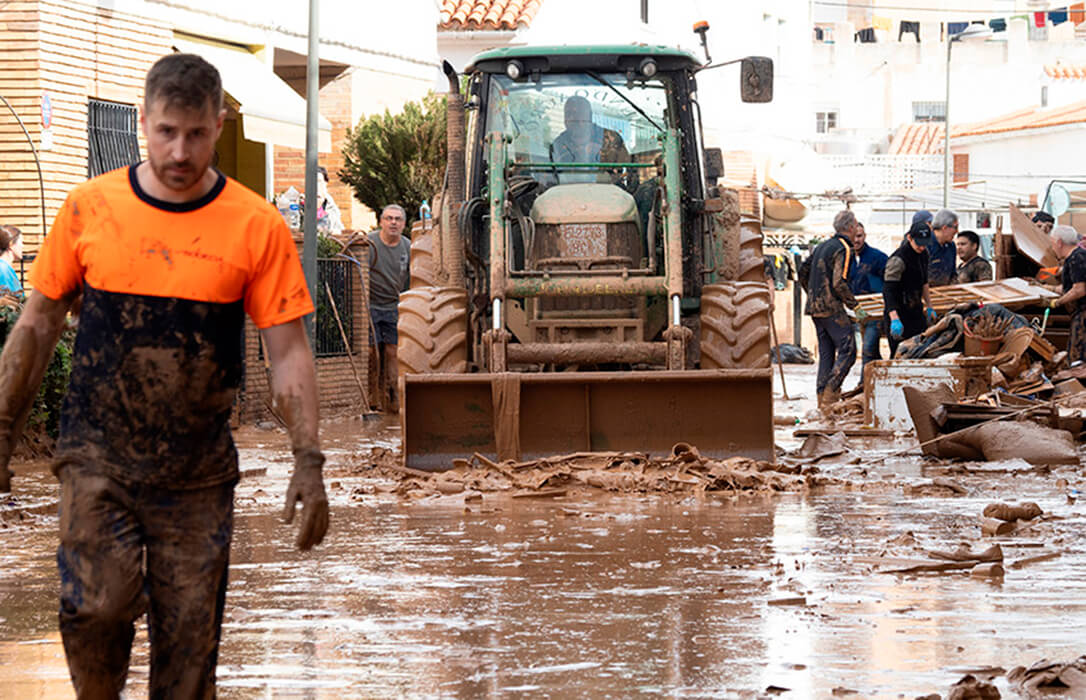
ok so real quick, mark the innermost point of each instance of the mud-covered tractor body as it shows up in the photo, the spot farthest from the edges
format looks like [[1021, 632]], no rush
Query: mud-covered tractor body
[[587, 287]]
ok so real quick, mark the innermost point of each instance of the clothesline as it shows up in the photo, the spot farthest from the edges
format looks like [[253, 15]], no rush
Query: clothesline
[[1075, 13]]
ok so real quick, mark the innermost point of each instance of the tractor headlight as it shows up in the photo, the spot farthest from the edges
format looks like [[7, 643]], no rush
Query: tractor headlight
[[514, 69], [647, 68]]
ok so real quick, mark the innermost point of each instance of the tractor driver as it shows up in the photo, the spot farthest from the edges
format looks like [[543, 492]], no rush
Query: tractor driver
[[583, 141]]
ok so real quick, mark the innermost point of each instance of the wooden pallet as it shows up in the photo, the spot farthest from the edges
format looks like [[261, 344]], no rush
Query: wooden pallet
[[1013, 293]]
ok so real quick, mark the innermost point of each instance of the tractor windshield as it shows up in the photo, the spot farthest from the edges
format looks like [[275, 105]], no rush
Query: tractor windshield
[[582, 118]]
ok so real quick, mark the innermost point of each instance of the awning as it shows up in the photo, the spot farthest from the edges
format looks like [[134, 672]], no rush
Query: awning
[[271, 111]]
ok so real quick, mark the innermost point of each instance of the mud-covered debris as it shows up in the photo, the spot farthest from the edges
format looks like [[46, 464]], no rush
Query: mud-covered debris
[[963, 553], [1069, 679], [822, 445], [1036, 559], [994, 526], [970, 688], [684, 471], [939, 486], [992, 570], [1010, 512]]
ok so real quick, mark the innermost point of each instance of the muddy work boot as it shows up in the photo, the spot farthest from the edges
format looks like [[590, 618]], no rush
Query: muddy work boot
[[828, 398]]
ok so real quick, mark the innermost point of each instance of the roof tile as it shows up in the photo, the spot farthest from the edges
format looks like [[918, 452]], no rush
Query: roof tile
[[1034, 118], [487, 15]]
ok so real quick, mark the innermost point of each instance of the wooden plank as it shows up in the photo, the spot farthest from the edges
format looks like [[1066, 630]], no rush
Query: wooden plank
[[1012, 293], [1031, 241]]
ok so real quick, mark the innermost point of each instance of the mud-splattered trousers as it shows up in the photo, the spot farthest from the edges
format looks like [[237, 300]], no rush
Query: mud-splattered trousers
[[836, 350], [126, 550]]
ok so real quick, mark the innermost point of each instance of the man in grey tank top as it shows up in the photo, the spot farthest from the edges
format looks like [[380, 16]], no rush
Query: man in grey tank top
[[390, 266]]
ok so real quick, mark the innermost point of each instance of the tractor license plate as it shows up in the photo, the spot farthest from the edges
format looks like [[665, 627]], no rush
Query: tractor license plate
[[582, 240]]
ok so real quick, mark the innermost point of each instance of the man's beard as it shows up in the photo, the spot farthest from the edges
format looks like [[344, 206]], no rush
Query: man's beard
[[179, 176]]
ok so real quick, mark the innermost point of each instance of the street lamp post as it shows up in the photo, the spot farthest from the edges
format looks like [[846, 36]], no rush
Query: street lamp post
[[973, 31]]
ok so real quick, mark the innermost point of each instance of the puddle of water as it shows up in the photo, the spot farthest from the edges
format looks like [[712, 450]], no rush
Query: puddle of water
[[622, 596]]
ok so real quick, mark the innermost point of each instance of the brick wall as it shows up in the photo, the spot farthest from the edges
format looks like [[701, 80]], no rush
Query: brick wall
[[289, 164], [336, 384], [73, 51]]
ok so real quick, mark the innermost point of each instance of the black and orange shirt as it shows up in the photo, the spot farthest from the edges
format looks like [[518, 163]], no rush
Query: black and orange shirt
[[158, 353]]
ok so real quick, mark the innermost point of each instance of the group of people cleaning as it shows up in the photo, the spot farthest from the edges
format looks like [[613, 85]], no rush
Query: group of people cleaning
[[933, 253]]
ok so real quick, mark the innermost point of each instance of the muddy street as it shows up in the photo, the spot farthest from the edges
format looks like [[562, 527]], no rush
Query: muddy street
[[600, 595]]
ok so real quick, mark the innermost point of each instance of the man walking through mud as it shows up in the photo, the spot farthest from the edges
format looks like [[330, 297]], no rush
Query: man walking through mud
[[169, 255], [830, 304]]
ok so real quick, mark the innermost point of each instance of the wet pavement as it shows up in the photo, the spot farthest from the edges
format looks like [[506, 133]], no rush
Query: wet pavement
[[601, 596]]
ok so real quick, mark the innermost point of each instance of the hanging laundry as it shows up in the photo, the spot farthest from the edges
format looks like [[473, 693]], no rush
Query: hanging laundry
[[1039, 19], [1078, 13], [909, 28], [998, 25], [884, 23], [1058, 16], [953, 28], [865, 36], [818, 33]]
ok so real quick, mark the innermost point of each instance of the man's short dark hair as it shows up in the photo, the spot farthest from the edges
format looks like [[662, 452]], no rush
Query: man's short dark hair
[[184, 80], [1043, 217], [970, 236]]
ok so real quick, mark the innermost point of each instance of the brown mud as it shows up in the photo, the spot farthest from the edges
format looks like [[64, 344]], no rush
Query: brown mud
[[587, 592]]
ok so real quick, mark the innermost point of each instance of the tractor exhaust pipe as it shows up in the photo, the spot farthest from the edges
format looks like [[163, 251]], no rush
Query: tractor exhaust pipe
[[451, 254]]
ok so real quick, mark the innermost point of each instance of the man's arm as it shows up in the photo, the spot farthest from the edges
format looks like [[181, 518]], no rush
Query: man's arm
[[1076, 292], [840, 280], [26, 356], [925, 292], [294, 388]]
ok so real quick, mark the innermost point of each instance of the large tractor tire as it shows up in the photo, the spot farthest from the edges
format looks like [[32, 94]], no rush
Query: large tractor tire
[[735, 326], [433, 331], [422, 258]]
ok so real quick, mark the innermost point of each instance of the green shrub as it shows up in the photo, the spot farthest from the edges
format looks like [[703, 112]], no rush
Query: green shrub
[[45, 415], [397, 158]]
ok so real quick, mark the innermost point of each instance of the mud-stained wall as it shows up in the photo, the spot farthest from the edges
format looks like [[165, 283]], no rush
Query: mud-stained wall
[[336, 384], [71, 51]]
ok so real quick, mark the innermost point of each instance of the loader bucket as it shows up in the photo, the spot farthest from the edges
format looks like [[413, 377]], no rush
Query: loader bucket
[[724, 413]]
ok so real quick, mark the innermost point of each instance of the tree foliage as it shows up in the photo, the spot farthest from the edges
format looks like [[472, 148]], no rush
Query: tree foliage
[[397, 158], [45, 415]]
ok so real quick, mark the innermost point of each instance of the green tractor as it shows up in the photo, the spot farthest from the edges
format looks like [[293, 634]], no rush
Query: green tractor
[[587, 286]]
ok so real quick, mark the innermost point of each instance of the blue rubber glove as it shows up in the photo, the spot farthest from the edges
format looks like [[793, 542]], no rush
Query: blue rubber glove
[[932, 316], [896, 328]]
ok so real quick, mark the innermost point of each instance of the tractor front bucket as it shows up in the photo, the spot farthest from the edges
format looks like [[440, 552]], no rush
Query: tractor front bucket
[[525, 416]]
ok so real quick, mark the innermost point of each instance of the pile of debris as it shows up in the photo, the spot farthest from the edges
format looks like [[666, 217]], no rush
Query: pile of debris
[[684, 471]]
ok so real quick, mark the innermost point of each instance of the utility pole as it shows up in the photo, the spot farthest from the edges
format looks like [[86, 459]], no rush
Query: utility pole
[[312, 115], [644, 11]]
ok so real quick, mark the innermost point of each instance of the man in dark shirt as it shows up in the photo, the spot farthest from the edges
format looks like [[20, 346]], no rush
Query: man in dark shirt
[[1065, 246], [830, 304], [943, 255], [973, 268], [905, 293], [866, 278]]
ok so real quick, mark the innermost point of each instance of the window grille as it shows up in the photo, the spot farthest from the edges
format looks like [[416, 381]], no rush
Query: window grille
[[825, 121], [929, 111], [111, 136]]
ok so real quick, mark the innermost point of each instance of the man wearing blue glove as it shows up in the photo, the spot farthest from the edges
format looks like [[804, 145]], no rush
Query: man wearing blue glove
[[830, 304], [905, 293]]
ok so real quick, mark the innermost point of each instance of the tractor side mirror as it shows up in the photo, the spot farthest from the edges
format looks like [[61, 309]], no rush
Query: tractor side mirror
[[756, 79], [714, 164]]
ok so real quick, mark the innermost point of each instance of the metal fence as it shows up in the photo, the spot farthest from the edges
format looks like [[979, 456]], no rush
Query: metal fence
[[340, 276], [111, 136]]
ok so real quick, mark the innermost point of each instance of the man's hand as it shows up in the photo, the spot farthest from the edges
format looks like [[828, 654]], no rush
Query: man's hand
[[861, 315], [307, 486], [1054, 303], [932, 316], [896, 328]]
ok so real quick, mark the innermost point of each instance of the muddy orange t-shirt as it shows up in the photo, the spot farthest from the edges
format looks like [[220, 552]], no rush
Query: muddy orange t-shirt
[[158, 354]]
